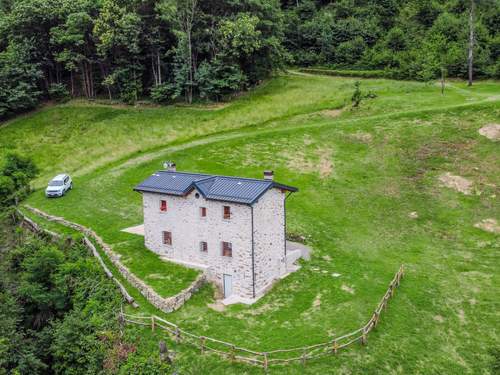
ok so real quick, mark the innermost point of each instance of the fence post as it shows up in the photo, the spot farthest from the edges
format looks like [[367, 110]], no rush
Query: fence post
[[177, 334], [375, 321], [202, 344], [363, 337], [335, 347], [232, 355], [152, 323], [265, 361], [304, 358]]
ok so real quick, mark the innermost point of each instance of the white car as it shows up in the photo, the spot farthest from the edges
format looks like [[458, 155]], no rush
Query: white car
[[59, 185]]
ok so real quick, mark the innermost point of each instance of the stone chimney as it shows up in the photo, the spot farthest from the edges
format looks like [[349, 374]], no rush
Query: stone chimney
[[170, 166], [268, 175]]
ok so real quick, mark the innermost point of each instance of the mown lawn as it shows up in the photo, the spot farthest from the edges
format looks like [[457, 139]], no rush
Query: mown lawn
[[360, 176]]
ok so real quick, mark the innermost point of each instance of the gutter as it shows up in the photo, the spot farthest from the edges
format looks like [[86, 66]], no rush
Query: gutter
[[284, 215], [253, 256]]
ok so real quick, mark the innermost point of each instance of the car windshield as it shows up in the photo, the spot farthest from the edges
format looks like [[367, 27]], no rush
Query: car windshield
[[56, 183]]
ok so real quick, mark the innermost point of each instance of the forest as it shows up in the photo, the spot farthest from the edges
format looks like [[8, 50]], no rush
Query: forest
[[165, 51]]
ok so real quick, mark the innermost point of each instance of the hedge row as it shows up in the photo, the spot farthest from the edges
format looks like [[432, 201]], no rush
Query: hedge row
[[350, 73]]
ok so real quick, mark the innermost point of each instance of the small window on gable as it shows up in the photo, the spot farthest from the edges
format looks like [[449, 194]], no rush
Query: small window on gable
[[227, 212], [203, 246], [203, 211], [227, 249], [163, 205], [167, 238]]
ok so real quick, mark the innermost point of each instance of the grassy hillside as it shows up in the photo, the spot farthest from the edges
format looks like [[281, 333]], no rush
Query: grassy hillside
[[79, 137], [370, 199]]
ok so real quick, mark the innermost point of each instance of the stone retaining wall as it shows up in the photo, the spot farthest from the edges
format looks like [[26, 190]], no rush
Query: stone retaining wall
[[166, 304]]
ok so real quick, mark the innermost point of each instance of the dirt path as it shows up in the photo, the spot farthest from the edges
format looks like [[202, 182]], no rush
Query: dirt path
[[252, 130]]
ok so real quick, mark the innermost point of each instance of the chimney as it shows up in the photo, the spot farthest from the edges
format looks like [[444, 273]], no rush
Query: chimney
[[169, 166], [268, 175]]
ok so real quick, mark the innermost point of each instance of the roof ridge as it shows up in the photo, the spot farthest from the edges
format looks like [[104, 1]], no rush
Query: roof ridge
[[214, 175]]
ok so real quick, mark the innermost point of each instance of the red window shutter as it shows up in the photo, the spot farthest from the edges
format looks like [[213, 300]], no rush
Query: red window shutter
[[163, 205], [227, 212], [203, 211]]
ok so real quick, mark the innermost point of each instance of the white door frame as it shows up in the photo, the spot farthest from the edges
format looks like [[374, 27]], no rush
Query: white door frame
[[227, 286]]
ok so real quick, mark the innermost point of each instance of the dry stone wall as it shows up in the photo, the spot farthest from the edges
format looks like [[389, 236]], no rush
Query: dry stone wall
[[166, 304]]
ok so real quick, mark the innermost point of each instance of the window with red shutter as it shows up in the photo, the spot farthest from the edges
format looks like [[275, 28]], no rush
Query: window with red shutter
[[203, 211], [227, 212], [227, 249], [163, 206], [203, 246], [167, 238]]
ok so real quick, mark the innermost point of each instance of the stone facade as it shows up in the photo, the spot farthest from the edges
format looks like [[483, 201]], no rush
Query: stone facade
[[188, 229]]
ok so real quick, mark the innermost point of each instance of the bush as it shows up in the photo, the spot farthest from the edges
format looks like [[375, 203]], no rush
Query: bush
[[15, 177], [59, 92], [216, 79], [358, 95], [163, 93], [7, 188], [350, 73]]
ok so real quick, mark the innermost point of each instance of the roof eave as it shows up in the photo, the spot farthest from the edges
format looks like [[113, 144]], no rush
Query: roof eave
[[285, 187]]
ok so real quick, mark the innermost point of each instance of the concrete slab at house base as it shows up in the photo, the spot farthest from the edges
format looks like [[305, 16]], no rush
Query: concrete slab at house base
[[138, 229], [305, 251]]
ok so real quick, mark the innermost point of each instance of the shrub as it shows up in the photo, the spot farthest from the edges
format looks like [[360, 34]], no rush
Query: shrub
[[358, 95], [163, 93], [350, 73], [216, 79], [15, 177], [59, 92]]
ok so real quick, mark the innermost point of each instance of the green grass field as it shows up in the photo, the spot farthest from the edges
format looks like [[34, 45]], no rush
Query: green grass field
[[360, 174]]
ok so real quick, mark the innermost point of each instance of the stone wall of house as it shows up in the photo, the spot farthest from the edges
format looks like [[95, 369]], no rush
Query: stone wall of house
[[183, 219], [269, 237]]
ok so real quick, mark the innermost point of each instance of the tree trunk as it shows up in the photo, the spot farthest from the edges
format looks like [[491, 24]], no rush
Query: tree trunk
[[470, 59], [159, 67], [155, 76], [84, 80], [442, 81], [190, 75]]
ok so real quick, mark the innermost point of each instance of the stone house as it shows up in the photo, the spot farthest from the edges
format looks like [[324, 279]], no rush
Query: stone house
[[232, 228]]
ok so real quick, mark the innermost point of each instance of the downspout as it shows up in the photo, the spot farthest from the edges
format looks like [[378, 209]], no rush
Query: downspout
[[284, 215], [253, 256]]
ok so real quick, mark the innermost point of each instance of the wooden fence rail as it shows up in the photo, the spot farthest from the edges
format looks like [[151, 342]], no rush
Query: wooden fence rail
[[279, 356], [225, 349]]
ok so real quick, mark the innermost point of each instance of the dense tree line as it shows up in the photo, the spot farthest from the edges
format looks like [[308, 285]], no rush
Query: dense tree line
[[127, 49], [58, 311], [168, 50], [410, 39]]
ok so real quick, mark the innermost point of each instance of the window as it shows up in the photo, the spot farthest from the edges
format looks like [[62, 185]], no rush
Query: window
[[227, 212], [163, 206], [203, 211], [227, 249], [203, 246], [167, 238]]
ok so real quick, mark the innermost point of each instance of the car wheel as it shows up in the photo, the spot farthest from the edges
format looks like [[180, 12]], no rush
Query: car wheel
[[71, 186]]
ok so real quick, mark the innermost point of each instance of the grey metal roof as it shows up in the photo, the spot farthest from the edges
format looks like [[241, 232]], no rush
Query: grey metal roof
[[222, 188]]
